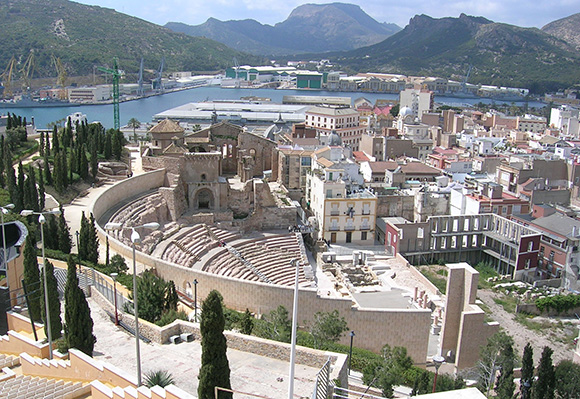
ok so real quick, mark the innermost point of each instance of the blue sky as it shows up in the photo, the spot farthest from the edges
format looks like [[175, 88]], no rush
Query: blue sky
[[526, 13]]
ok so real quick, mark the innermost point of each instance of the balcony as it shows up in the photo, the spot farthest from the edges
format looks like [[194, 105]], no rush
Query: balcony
[[349, 228], [334, 213], [334, 228], [365, 227], [366, 212]]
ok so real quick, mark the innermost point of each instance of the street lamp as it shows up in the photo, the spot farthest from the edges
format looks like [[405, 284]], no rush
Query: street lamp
[[195, 297], [114, 276], [438, 360], [4, 210], [42, 220], [352, 334], [293, 262], [135, 239]]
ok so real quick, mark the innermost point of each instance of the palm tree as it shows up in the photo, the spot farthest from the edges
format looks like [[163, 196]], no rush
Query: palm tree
[[135, 124]]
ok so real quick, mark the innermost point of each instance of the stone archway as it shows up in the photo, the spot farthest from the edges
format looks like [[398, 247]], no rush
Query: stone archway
[[204, 199]]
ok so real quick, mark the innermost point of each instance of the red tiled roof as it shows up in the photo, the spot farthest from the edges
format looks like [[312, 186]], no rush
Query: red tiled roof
[[360, 156]]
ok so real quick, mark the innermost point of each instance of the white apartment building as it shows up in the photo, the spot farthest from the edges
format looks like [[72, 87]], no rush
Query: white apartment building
[[566, 119], [419, 101], [345, 121], [342, 216]]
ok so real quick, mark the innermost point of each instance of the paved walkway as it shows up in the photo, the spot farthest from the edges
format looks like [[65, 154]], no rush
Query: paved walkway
[[250, 373]]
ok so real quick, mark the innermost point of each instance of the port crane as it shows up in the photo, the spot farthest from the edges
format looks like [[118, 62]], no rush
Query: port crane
[[61, 76], [116, 74], [6, 77], [157, 83], [27, 70]]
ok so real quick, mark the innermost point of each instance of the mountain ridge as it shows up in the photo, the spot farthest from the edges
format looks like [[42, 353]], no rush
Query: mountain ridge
[[309, 27], [500, 54]]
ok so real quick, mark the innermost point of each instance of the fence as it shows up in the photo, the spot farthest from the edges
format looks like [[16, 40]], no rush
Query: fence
[[322, 385], [107, 289]]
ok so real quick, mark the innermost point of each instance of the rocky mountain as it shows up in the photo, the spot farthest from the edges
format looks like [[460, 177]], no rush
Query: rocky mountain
[[567, 29], [86, 36], [500, 54], [309, 28]]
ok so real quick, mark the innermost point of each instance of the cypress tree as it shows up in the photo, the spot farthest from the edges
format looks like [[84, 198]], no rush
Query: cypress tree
[[94, 157], [9, 122], [41, 146], [505, 384], [215, 369], [107, 252], [83, 238], [93, 248], [527, 368], [47, 144], [71, 168], [53, 303], [13, 189], [108, 145], [20, 185], [55, 143], [84, 163], [47, 174], [544, 387], [116, 146], [31, 277], [171, 298], [51, 232], [78, 328], [41, 193], [64, 237]]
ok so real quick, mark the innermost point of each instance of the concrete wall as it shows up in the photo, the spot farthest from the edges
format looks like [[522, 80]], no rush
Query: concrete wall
[[374, 327]]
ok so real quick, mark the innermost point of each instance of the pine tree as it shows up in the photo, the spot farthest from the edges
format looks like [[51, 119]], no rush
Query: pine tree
[[78, 328], [53, 303], [544, 386], [527, 369], [505, 384], [31, 277], [63, 233], [215, 369]]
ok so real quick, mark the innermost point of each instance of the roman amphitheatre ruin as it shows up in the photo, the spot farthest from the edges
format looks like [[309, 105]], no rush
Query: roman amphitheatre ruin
[[226, 226]]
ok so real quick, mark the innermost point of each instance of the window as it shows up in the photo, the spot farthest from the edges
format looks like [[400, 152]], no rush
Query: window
[[530, 246], [363, 235]]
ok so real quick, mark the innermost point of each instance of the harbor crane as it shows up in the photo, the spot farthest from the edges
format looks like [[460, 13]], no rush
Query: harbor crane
[[157, 83], [27, 70], [6, 77], [61, 76], [116, 74]]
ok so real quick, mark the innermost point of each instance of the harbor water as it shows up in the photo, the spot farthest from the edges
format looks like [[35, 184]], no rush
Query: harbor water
[[144, 108]]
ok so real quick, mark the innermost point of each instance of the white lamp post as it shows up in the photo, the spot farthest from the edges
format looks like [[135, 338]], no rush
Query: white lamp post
[[294, 325], [42, 220], [135, 239]]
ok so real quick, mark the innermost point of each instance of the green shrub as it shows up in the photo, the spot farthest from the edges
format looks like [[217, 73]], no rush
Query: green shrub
[[160, 378], [170, 316], [559, 303]]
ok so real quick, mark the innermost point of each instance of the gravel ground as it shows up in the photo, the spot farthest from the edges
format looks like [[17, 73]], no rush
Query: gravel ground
[[523, 335]]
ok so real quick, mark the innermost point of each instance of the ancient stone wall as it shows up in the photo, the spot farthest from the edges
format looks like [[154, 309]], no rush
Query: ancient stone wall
[[260, 149], [396, 205]]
